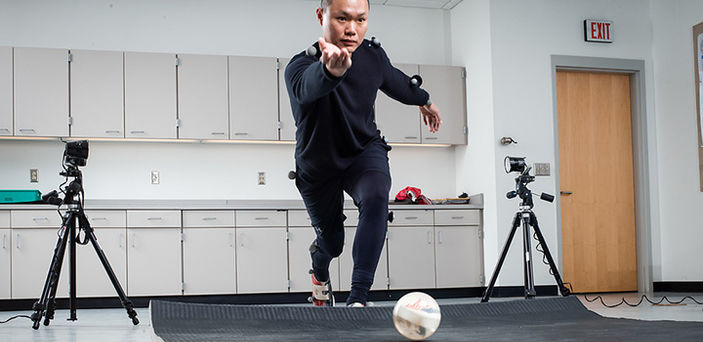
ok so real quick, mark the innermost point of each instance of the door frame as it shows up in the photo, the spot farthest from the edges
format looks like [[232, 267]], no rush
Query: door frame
[[640, 151]]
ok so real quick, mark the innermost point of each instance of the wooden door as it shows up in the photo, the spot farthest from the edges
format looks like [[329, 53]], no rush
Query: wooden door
[[596, 182]]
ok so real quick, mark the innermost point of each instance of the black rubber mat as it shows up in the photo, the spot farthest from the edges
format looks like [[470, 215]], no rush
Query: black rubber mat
[[550, 319]]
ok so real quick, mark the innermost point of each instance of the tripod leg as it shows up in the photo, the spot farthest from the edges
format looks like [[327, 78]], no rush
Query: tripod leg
[[46, 303], [126, 303], [564, 290], [494, 277], [72, 270], [527, 258]]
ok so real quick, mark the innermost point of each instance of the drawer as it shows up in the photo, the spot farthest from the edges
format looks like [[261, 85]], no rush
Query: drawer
[[457, 217], [36, 219], [107, 218], [412, 218], [352, 218], [4, 219], [211, 219], [299, 218], [154, 218], [261, 218]]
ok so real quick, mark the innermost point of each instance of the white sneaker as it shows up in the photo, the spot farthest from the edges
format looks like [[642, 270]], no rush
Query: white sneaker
[[355, 305]]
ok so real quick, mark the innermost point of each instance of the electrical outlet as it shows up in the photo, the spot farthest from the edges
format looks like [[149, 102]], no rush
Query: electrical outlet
[[34, 175], [542, 169], [262, 178], [155, 177]]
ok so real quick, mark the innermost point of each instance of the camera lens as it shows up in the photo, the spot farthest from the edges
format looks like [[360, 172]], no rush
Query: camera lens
[[514, 164]]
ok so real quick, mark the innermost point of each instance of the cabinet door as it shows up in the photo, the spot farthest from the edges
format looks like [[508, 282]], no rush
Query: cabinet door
[[300, 263], [6, 90], [262, 260], [286, 113], [153, 261], [459, 252], [411, 257], [97, 94], [91, 277], [346, 264], [398, 122], [5, 245], [41, 92], [253, 86], [208, 261], [33, 249], [150, 95], [447, 88], [202, 97]]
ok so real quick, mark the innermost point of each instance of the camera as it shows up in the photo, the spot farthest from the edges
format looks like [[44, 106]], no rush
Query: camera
[[76, 153]]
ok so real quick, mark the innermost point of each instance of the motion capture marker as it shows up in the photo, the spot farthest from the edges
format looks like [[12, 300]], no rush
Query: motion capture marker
[[313, 51], [292, 175], [416, 81], [375, 42]]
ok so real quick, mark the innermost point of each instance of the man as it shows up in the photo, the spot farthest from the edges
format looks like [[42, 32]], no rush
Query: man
[[338, 145]]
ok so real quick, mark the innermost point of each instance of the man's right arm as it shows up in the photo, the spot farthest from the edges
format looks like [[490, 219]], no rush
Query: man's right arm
[[308, 80]]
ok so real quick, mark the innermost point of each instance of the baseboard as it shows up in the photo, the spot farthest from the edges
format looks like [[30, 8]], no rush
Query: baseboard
[[277, 298], [678, 286]]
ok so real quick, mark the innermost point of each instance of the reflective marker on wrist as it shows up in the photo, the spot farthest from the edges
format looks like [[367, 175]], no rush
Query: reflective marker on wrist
[[429, 102]]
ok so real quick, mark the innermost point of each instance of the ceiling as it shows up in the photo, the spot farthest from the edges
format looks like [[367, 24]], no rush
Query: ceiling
[[439, 4]]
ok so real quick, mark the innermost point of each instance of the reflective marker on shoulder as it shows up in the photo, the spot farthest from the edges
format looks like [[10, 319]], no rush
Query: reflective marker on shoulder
[[311, 51]]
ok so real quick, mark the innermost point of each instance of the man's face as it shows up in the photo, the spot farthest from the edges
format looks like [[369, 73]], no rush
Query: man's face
[[344, 23]]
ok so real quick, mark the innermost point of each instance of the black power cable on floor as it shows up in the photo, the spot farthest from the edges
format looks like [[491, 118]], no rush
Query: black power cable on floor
[[13, 317], [642, 298]]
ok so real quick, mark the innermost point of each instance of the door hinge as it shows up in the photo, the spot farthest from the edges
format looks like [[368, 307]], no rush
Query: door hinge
[[463, 74], [288, 284], [278, 125], [178, 123], [287, 236], [70, 120], [388, 282], [482, 279], [278, 65], [183, 287], [178, 61], [69, 58], [465, 130], [480, 233], [182, 237]]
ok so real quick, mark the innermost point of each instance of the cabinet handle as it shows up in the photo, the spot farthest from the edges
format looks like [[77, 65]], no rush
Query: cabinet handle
[[154, 219], [240, 238], [410, 138], [28, 130], [4, 130], [134, 241], [112, 131], [261, 218], [209, 218], [429, 238], [231, 240], [99, 218], [121, 244], [439, 237], [4, 241], [457, 217], [411, 218], [17, 243], [218, 133], [36, 219], [241, 133], [431, 138], [136, 132]]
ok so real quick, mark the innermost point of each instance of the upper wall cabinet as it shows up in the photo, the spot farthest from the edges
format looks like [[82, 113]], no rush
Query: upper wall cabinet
[[41, 92], [150, 95], [398, 122], [447, 88], [5, 91], [286, 113], [97, 88], [202, 97], [253, 92]]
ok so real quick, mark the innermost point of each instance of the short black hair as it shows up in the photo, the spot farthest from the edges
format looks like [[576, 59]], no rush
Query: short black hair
[[326, 3]]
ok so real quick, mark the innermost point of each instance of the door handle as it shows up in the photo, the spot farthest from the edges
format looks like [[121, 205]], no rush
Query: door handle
[[566, 193]]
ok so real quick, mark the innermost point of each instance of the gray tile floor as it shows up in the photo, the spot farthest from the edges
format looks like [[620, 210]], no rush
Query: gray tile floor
[[113, 325]]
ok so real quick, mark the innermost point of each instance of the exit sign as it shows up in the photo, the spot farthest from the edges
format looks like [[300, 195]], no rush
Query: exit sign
[[600, 31]]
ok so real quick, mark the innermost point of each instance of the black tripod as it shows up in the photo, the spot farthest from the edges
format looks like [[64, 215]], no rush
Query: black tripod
[[68, 236], [528, 219]]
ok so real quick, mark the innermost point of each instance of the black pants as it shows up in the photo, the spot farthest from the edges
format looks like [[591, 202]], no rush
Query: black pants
[[367, 180]]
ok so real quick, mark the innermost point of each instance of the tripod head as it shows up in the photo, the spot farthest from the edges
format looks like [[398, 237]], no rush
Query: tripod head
[[513, 164], [74, 155]]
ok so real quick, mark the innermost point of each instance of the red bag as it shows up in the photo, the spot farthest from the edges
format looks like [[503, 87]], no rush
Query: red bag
[[409, 193]]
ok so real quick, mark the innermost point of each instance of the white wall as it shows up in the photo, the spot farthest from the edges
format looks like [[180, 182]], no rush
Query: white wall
[[277, 28], [523, 36], [675, 105]]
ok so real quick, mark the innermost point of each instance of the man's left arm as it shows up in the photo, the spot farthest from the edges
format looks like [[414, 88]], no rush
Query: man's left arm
[[396, 85]]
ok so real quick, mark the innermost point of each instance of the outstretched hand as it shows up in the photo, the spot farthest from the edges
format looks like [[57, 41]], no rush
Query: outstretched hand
[[336, 60], [431, 117]]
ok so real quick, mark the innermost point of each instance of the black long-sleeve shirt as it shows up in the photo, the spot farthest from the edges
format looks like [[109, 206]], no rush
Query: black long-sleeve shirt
[[334, 116]]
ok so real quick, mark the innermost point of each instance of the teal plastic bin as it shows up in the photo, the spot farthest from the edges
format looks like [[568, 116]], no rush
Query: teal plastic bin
[[19, 196]]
